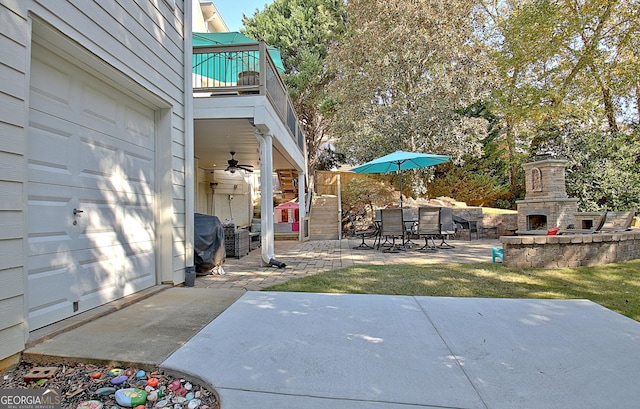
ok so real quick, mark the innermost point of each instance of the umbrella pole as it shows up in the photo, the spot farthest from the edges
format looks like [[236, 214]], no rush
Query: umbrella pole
[[400, 176]]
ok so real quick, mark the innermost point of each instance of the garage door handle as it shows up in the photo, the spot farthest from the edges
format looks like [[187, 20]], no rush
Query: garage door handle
[[76, 211]]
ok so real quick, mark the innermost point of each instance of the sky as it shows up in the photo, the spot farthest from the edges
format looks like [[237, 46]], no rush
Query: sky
[[232, 10]]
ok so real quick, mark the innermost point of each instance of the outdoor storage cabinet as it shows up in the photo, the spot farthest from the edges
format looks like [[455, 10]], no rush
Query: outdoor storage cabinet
[[236, 242]]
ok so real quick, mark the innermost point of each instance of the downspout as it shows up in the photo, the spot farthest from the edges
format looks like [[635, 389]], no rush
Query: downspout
[[189, 165], [302, 208], [266, 200]]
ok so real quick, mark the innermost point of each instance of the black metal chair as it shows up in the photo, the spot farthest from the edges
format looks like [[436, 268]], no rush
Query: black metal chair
[[467, 225], [369, 232]]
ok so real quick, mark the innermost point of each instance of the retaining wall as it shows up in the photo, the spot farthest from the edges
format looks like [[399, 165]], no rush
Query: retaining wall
[[570, 250]]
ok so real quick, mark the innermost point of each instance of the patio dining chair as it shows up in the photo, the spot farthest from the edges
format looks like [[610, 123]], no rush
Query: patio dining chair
[[364, 233], [428, 225], [391, 226], [447, 227], [409, 219]]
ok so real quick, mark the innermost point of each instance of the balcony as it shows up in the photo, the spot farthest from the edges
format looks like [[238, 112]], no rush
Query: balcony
[[240, 70]]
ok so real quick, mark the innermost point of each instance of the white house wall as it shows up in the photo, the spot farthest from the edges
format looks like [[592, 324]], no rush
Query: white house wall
[[136, 44]]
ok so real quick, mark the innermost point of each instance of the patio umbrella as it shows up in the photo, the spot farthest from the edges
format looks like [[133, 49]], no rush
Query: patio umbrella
[[401, 160]]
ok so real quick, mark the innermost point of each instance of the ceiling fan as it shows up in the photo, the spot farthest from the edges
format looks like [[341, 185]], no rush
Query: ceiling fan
[[233, 165]]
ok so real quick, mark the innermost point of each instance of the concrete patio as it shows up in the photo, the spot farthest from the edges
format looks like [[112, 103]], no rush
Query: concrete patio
[[300, 350]]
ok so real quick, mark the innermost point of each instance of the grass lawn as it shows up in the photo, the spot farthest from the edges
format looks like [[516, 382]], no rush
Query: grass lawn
[[615, 286]]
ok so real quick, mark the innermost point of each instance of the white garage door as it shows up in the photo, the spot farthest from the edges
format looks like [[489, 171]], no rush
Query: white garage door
[[91, 227]]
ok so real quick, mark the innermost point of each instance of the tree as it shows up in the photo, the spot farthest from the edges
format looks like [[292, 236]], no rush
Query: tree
[[403, 71], [561, 64], [603, 176], [303, 31]]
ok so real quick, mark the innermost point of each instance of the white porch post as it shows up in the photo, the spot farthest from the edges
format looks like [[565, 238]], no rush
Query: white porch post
[[302, 208], [266, 196]]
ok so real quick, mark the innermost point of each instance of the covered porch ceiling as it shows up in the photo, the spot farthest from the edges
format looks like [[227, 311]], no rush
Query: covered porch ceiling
[[216, 138]]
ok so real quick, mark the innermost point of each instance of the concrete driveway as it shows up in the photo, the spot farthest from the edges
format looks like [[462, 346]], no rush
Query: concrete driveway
[[313, 351]]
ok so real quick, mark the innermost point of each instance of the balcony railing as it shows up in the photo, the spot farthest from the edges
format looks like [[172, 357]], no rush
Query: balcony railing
[[237, 70]]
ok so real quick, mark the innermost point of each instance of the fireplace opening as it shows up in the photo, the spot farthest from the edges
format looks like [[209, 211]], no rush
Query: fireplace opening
[[537, 222]]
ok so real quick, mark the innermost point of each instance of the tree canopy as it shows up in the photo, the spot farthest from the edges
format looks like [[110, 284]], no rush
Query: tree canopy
[[403, 72], [303, 31], [492, 83]]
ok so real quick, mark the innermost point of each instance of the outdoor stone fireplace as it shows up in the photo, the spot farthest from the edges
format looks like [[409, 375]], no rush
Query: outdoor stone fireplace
[[546, 204]]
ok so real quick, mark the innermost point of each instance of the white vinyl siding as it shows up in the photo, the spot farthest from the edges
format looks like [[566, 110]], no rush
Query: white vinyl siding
[[138, 45]]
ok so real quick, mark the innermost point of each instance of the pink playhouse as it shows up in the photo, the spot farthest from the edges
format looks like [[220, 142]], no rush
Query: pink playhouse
[[287, 217]]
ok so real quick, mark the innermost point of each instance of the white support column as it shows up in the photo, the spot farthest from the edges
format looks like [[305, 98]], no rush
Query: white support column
[[266, 197], [189, 142], [302, 203]]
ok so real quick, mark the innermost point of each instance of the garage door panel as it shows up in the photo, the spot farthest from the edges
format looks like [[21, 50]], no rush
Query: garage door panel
[[140, 127], [98, 161], [138, 169], [91, 148], [50, 149], [51, 85], [99, 109]]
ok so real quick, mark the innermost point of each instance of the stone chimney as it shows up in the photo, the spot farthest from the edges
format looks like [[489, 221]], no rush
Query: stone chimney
[[546, 204]]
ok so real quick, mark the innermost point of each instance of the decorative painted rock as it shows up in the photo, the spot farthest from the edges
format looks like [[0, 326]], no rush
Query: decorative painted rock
[[96, 375], [189, 396], [131, 397], [179, 399], [141, 374], [138, 383], [153, 382], [106, 391], [162, 403], [119, 380], [152, 396], [141, 407], [193, 404], [174, 385], [128, 372], [188, 386], [90, 404], [116, 372]]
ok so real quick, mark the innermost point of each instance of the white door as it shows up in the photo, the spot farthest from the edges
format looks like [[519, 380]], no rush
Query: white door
[[91, 229]]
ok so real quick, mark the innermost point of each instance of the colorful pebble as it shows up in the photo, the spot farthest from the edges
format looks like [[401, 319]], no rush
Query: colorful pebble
[[141, 374], [116, 372], [153, 382], [106, 391], [131, 397], [96, 375], [90, 404], [174, 385], [119, 380]]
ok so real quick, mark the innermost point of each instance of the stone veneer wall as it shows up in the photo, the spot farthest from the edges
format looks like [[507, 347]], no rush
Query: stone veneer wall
[[570, 250]]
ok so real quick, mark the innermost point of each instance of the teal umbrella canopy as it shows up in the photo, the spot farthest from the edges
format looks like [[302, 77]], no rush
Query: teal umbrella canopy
[[225, 66], [401, 160]]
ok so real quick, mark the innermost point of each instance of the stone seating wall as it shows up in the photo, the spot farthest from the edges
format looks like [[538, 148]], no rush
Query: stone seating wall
[[570, 250]]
